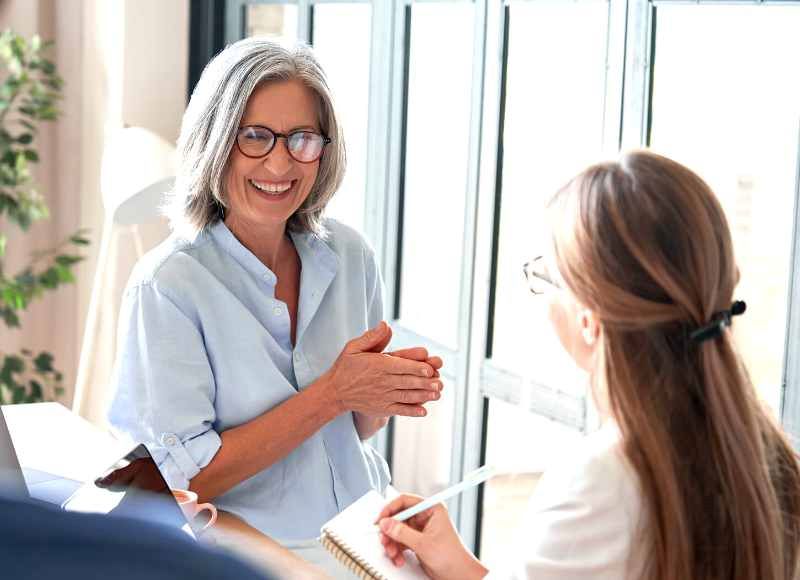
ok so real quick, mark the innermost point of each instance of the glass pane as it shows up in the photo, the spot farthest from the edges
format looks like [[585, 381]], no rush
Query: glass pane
[[726, 102], [423, 447], [437, 148], [505, 497], [553, 127], [345, 59], [276, 20]]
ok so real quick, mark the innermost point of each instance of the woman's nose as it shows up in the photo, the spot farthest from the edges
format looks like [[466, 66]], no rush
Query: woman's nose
[[278, 161]]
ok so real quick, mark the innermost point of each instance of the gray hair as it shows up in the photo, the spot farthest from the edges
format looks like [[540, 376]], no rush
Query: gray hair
[[209, 126]]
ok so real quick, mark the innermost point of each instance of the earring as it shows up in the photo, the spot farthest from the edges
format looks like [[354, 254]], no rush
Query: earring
[[588, 336]]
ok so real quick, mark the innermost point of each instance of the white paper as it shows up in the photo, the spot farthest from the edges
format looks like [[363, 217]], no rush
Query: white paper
[[354, 526]]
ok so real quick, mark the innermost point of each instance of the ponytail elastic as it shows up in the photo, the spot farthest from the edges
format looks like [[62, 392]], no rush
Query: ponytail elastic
[[719, 320]]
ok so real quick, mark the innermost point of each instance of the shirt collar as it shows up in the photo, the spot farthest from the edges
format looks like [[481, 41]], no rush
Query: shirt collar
[[246, 259], [319, 264]]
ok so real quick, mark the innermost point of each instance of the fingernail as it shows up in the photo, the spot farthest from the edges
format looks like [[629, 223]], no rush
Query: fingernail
[[386, 524], [437, 386]]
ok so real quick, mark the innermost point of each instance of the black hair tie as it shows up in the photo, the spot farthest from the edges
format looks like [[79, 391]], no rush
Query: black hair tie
[[719, 320]]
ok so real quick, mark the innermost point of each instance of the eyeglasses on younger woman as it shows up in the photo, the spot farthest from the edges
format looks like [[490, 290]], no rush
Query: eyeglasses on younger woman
[[539, 278]]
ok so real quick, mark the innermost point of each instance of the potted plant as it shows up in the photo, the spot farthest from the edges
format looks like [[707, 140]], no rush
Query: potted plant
[[29, 93]]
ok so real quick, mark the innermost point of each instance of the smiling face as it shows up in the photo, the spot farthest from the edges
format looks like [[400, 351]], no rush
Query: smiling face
[[265, 192]]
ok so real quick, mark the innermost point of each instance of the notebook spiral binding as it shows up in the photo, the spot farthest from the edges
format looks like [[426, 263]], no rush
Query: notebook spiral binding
[[341, 551]]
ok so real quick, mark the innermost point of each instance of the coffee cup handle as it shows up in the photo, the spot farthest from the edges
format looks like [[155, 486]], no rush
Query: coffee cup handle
[[211, 508]]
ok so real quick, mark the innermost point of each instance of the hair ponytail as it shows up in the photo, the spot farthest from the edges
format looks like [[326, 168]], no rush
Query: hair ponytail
[[720, 482]]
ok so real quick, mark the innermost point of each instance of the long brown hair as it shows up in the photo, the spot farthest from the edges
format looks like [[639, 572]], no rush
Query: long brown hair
[[644, 243]]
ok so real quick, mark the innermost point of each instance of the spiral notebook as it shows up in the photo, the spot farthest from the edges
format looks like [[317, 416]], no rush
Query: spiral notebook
[[351, 539]]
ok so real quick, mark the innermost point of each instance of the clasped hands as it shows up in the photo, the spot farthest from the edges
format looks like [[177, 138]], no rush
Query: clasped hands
[[368, 381]]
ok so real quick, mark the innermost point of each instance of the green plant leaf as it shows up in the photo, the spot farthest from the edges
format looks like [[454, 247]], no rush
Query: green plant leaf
[[66, 260], [44, 362], [18, 396], [25, 139], [9, 317], [79, 240], [37, 393], [64, 274], [49, 279]]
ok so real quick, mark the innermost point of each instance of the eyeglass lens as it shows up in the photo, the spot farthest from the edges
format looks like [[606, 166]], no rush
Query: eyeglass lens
[[539, 281], [303, 146]]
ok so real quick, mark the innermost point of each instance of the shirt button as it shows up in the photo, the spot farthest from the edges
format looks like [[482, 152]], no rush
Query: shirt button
[[170, 440], [277, 311], [265, 276]]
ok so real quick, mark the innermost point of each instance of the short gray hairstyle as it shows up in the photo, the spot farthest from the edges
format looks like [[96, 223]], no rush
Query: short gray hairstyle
[[209, 127]]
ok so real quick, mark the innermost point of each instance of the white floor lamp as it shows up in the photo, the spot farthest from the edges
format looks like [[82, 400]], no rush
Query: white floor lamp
[[138, 168]]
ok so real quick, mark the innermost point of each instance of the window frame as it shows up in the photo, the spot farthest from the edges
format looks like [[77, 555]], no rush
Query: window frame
[[627, 113]]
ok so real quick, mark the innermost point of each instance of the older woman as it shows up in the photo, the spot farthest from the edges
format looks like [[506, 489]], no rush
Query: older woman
[[250, 355]]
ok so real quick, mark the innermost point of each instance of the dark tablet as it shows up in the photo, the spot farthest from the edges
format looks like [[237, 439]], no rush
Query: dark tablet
[[134, 488]]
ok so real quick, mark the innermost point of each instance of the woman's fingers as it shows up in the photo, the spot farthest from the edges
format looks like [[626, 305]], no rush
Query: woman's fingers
[[401, 366], [398, 504], [412, 383], [372, 340], [418, 353], [402, 534], [414, 396], [406, 410]]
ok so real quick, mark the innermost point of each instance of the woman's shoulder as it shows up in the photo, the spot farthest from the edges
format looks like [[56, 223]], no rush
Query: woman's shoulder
[[584, 516], [352, 249], [169, 264], [344, 239], [597, 468]]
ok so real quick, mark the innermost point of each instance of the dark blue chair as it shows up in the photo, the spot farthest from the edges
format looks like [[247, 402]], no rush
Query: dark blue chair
[[41, 542]]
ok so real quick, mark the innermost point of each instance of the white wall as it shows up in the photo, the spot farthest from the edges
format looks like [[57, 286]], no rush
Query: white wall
[[123, 62]]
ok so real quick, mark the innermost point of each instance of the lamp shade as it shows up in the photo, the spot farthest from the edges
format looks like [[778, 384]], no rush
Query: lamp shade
[[138, 168]]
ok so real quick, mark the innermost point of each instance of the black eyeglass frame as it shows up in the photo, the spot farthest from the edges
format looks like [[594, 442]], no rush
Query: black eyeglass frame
[[531, 273], [286, 136]]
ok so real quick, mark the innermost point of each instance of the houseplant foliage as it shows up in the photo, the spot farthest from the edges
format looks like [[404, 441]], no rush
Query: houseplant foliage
[[29, 93]]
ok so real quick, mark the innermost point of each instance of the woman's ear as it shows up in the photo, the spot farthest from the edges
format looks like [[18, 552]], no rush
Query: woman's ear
[[590, 328]]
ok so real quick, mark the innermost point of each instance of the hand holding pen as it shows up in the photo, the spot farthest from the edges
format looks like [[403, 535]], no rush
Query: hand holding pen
[[428, 532]]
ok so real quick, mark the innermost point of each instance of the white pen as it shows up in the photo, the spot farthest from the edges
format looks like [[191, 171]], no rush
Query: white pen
[[472, 479]]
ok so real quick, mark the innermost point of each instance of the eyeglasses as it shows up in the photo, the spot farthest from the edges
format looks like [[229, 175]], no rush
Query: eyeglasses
[[539, 279], [255, 141]]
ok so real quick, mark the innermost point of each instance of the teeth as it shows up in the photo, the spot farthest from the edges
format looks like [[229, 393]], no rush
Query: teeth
[[271, 187]]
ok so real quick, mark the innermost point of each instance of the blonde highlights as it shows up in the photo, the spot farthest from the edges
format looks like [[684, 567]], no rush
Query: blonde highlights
[[644, 243]]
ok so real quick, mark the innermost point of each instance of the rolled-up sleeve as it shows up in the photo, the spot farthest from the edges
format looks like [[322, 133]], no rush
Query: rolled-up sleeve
[[163, 384]]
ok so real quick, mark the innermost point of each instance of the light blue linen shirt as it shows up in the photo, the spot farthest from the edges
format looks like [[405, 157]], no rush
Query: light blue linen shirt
[[205, 346]]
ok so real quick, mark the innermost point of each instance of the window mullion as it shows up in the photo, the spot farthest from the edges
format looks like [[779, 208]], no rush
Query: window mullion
[[481, 251], [790, 404], [637, 74]]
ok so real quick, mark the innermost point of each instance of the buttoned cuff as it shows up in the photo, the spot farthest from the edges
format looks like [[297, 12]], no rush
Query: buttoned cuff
[[182, 460]]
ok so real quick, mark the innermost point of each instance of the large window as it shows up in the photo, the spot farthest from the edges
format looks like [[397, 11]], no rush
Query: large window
[[555, 80], [463, 116], [724, 102], [346, 60]]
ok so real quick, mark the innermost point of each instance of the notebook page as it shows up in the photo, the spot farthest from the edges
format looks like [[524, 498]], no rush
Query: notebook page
[[353, 526]]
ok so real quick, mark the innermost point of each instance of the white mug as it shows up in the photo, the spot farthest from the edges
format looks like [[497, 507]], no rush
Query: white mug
[[188, 502]]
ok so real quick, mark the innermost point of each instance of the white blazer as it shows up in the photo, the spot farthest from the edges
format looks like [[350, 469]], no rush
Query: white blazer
[[583, 518]]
